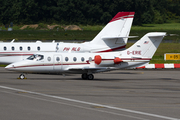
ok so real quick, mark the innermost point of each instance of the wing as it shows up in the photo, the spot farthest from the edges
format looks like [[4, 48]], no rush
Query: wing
[[93, 70]]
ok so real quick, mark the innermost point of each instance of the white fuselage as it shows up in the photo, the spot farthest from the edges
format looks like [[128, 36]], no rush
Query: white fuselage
[[76, 63], [13, 52]]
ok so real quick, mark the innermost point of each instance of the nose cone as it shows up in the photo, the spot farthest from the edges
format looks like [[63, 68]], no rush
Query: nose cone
[[21, 66], [10, 67], [16, 66]]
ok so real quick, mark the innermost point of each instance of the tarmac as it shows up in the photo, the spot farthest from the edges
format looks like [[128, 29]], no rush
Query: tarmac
[[116, 95]]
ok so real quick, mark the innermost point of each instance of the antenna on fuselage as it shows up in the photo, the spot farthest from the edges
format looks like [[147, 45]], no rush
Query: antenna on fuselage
[[57, 47], [12, 40]]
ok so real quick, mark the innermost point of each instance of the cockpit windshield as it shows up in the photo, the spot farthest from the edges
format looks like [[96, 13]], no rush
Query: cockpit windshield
[[36, 57]]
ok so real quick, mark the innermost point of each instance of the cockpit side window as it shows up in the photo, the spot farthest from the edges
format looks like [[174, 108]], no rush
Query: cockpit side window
[[36, 57], [41, 57], [31, 57]]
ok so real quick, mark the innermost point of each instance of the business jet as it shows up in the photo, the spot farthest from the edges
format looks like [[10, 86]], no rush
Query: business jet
[[112, 37], [86, 64]]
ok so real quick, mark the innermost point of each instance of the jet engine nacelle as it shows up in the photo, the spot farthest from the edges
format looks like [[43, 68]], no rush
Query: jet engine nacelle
[[100, 60]]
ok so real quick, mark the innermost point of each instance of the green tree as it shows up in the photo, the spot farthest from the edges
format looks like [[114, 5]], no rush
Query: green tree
[[86, 12]]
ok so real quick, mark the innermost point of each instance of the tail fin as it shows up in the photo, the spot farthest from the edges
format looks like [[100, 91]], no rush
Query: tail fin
[[116, 31], [146, 46]]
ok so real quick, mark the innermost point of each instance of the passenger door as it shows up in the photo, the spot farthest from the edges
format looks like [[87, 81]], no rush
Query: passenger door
[[57, 60]]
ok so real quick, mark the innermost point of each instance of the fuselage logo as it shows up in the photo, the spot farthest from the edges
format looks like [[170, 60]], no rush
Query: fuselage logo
[[72, 49]]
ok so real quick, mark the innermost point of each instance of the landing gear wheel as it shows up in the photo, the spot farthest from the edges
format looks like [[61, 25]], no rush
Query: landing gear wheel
[[90, 77], [84, 76], [21, 76]]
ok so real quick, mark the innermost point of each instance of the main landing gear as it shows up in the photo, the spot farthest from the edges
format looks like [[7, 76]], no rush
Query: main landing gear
[[86, 76]]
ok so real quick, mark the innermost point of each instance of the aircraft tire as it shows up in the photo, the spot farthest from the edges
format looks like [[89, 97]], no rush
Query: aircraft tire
[[22, 76], [84, 76], [90, 77]]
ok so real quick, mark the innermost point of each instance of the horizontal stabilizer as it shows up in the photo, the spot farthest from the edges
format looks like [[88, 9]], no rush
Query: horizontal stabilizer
[[172, 35], [161, 34], [117, 37]]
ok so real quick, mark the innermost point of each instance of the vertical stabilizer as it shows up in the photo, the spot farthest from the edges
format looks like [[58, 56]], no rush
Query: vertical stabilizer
[[119, 26], [146, 46]]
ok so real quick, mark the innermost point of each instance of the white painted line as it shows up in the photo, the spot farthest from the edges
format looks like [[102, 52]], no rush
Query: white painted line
[[89, 103], [87, 108]]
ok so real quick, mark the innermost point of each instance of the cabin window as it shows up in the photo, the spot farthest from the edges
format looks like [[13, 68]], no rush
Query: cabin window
[[38, 48], [20, 48], [13, 48], [49, 58], [5, 48], [82, 59], [29, 48], [66, 59], [74, 59], [57, 59]]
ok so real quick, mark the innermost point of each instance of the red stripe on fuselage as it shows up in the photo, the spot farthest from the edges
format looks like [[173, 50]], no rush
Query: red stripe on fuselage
[[3, 54], [40, 65], [16, 55], [135, 58]]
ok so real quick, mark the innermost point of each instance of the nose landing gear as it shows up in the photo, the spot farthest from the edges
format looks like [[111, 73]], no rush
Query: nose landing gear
[[22, 76]]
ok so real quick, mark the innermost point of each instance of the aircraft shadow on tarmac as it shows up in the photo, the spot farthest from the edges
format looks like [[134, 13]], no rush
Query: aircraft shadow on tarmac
[[78, 78], [73, 79], [125, 73], [120, 77]]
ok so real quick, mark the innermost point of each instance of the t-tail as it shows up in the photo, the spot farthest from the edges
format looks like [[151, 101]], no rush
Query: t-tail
[[146, 46], [116, 33]]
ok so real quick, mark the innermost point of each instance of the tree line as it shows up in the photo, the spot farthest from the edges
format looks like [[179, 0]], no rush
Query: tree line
[[86, 11]]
